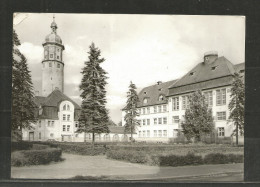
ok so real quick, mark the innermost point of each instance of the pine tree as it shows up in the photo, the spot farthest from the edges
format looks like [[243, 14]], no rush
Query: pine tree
[[23, 107], [94, 115], [131, 110], [198, 119], [237, 105]]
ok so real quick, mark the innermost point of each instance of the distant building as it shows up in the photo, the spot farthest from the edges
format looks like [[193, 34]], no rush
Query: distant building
[[57, 113], [162, 106]]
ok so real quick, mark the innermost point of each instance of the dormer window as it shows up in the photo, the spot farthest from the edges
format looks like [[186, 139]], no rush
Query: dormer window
[[160, 89], [161, 98], [145, 93], [242, 71], [213, 68], [145, 100], [192, 73]]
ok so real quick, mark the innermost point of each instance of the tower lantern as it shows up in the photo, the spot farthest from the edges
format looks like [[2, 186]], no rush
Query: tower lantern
[[52, 63]]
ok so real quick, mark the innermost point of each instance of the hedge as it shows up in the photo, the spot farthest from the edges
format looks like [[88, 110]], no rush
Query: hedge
[[22, 145], [39, 146], [171, 159], [35, 157]]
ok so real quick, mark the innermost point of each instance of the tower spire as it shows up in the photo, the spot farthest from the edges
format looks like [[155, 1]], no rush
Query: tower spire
[[54, 25]]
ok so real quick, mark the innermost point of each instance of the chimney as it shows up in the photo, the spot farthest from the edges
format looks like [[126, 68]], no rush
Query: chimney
[[159, 82], [210, 57]]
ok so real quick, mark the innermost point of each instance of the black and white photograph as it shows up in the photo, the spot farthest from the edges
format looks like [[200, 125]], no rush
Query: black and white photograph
[[128, 97]]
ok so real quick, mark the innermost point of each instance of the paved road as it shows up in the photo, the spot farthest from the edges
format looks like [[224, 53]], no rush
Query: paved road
[[100, 166]]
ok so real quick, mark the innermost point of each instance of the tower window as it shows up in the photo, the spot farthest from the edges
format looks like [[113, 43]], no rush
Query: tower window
[[51, 55], [58, 57], [50, 65], [58, 65]]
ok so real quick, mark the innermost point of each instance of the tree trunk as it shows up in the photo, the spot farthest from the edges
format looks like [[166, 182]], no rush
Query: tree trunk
[[93, 139], [236, 133], [85, 140]]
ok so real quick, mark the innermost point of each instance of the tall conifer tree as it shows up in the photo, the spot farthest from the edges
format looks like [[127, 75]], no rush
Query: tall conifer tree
[[94, 115], [131, 110], [23, 107], [198, 119], [237, 105]]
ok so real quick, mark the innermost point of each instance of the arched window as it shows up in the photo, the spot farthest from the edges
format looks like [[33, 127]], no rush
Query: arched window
[[125, 138], [68, 107], [145, 100], [107, 137], [64, 107]]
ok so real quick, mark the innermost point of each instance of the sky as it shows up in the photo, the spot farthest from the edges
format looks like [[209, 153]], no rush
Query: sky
[[140, 48]]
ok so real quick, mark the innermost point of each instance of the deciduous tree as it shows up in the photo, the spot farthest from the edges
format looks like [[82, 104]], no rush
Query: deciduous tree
[[198, 119]]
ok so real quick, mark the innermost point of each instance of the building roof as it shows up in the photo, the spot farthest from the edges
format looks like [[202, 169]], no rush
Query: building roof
[[206, 76], [153, 92], [203, 72], [50, 105], [54, 99]]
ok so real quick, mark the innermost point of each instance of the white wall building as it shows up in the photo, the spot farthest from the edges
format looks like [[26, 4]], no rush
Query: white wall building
[[162, 106]]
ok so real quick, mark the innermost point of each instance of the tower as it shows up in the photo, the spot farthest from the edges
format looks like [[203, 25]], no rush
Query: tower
[[52, 64]]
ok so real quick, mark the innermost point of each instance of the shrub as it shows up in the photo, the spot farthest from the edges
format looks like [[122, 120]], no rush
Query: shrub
[[219, 158], [21, 145], [39, 146], [131, 156], [180, 160], [35, 157]]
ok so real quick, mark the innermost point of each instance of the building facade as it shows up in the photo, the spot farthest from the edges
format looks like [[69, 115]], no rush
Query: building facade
[[162, 106]]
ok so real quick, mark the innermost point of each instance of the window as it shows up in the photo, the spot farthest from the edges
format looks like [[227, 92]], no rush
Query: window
[[58, 57], [160, 133], [221, 96], [155, 109], [221, 115], [208, 98], [40, 135], [155, 133], [159, 109], [64, 117], [161, 98], [76, 124], [221, 131], [164, 108], [68, 107], [175, 119], [143, 121], [148, 110], [145, 93], [165, 121], [50, 65], [143, 110], [49, 123], [165, 133], [76, 135], [51, 135], [213, 68], [64, 107], [192, 73], [40, 124], [58, 65], [68, 127], [148, 121], [140, 134], [145, 100], [68, 117], [143, 133], [52, 123], [58, 49], [155, 121], [185, 102], [175, 103], [64, 128], [51, 55], [159, 121], [148, 133]]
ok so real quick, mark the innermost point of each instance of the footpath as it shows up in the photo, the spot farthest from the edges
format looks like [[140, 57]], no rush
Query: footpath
[[106, 169]]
